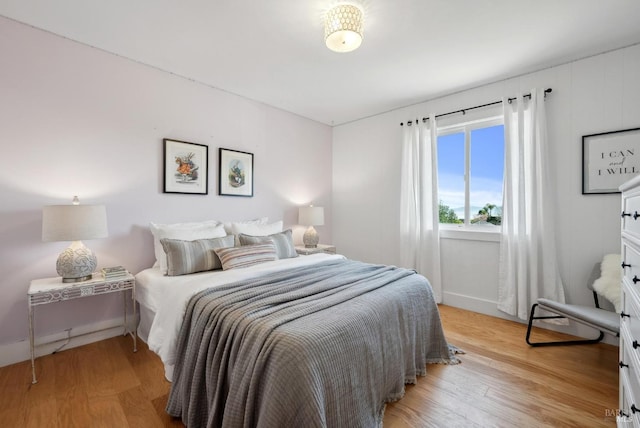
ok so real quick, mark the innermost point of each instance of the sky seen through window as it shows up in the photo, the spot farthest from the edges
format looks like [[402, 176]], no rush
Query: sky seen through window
[[486, 168]]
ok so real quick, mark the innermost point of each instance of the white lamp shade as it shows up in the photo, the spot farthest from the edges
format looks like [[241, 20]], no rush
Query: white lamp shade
[[311, 216], [73, 222], [343, 28]]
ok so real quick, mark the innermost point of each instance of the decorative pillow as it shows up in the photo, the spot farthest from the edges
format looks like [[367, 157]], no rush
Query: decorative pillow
[[247, 255], [608, 285], [228, 226], [283, 242], [182, 231], [255, 229], [184, 257]]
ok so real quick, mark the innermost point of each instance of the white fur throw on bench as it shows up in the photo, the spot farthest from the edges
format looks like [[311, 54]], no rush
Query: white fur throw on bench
[[608, 285]]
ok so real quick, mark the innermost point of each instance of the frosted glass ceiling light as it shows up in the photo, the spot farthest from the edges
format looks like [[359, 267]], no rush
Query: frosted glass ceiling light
[[343, 28]]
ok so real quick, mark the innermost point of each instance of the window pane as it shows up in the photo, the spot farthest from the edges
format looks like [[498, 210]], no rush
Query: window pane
[[487, 171], [451, 177]]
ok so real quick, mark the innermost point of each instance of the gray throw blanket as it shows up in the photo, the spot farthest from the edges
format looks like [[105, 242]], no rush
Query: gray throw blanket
[[325, 345]]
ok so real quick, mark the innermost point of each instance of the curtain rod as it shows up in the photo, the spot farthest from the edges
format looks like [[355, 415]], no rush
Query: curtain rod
[[464, 111]]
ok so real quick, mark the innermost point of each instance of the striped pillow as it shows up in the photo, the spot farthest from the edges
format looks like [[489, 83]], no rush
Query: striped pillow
[[283, 242], [184, 257], [247, 255]]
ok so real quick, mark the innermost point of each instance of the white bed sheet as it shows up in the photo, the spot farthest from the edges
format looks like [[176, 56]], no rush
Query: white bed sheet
[[168, 296]]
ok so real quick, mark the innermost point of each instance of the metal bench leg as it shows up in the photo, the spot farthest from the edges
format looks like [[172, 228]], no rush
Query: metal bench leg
[[532, 317]]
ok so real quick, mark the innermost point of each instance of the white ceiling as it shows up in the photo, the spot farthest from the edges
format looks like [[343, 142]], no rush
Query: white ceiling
[[273, 51]]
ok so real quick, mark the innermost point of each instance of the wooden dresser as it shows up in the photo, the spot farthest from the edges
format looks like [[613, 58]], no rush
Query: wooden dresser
[[629, 412]]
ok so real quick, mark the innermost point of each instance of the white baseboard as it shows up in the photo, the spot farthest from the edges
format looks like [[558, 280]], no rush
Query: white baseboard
[[81, 335], [475, 304], [489, 307]]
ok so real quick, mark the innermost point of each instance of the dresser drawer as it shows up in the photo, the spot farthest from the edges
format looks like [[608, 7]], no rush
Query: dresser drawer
[[631, 214], [626, 418], [629, 382], [631, 259], [631, 320]]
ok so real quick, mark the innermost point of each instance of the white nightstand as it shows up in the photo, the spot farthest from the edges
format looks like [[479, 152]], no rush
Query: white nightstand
[[321, 248], [52, 290]]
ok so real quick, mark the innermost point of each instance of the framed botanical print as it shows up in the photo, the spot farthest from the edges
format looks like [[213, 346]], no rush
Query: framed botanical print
[[236, 173], [609, 159], [186, 167]]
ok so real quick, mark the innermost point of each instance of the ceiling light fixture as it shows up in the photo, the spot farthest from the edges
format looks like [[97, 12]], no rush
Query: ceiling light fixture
[[343, 28]]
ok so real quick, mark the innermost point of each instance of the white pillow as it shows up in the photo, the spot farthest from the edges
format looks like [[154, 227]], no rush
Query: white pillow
[[254, 229], [228, 226], [183, 231]]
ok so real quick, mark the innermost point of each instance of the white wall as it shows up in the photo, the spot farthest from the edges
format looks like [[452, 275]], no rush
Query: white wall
[[597, 94], [75, 120]]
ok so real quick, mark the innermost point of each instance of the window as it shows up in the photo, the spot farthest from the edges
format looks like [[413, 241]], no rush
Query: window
[[474, 150]]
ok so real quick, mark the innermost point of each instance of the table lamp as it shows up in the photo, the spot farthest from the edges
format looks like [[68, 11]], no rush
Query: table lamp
[[311, 216], [74, 223]]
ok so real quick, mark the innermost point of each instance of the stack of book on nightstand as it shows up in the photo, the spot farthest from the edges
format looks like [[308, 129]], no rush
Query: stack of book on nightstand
[[114, 272]]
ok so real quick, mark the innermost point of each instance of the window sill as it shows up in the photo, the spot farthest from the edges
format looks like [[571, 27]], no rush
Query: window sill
[[470, 233]]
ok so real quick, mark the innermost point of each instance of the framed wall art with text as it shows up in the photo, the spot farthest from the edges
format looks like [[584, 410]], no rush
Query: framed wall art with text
[[609, 159]]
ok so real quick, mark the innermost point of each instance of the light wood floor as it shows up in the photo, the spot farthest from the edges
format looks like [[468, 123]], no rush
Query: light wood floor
[[501, 382]]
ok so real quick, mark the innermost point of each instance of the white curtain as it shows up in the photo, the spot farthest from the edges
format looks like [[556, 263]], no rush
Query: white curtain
[[528, 267], [419, 215]]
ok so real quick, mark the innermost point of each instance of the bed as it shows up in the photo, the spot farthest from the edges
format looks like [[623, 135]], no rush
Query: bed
[[310, 341]]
